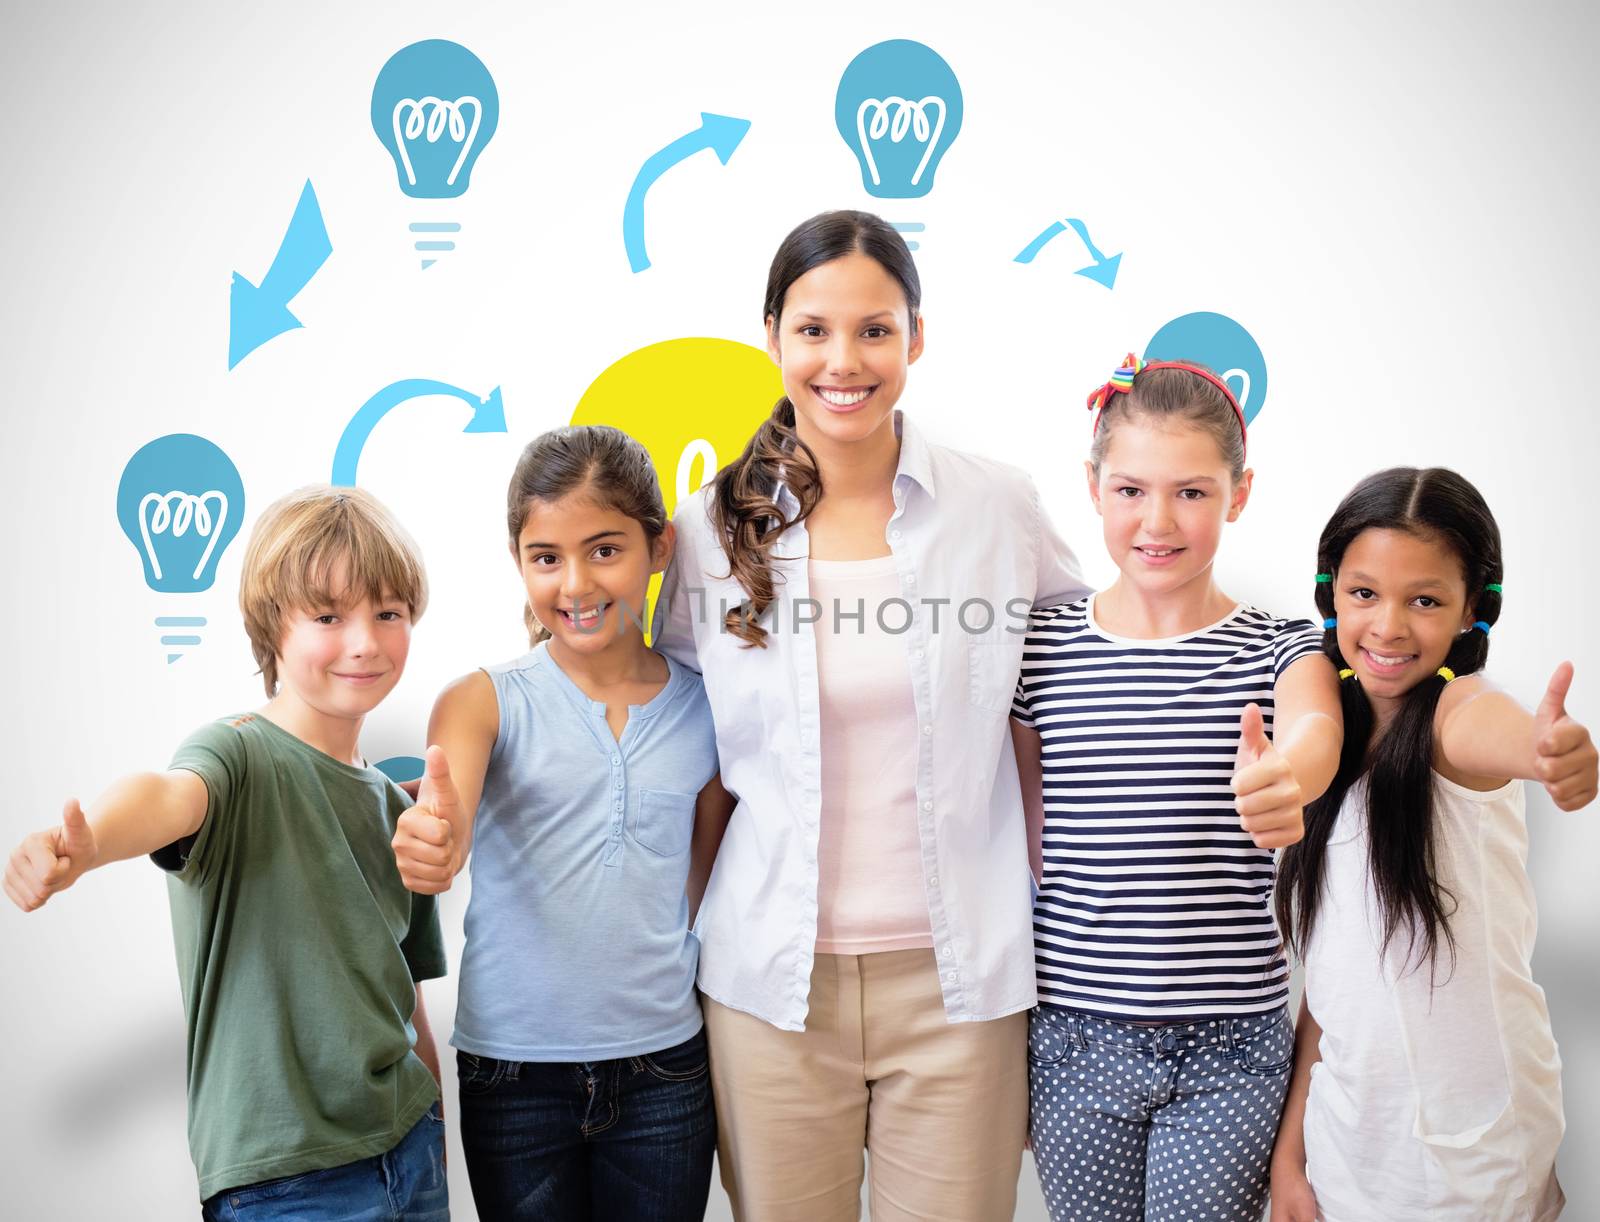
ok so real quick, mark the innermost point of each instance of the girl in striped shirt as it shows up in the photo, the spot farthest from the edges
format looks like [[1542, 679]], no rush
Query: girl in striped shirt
[[1167, 737]]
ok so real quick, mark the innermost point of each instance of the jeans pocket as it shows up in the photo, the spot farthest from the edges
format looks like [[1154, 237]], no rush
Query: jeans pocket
[[1268, 1052], [1048, 1041], [681, 1063], [478, 1075], [665, 821]]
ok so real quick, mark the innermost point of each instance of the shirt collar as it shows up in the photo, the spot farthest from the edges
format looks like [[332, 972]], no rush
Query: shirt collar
[[915, 463]]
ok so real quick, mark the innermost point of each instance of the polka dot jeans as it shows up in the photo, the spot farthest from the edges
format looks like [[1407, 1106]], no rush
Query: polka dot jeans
[[1135, 1122]]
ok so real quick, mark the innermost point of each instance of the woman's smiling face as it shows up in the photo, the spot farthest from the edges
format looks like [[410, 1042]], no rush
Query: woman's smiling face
[[844, 341]]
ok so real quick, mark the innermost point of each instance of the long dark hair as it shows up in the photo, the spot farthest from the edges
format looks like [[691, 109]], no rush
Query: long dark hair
[[1437, 504], [744, 507], [606, 463]]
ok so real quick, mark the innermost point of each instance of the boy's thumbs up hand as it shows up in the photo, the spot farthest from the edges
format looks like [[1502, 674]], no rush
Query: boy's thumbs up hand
[[1267, 796], [1565, 760], [51, 860], [424, 836]]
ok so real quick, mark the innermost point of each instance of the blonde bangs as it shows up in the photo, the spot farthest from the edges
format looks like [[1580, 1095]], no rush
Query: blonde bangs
[[324, 547]]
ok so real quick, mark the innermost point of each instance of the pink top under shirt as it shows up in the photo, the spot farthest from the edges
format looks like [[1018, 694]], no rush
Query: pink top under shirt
[[870, 891]]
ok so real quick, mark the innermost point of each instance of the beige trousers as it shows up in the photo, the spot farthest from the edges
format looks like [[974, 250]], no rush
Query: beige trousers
[[941, 1107]]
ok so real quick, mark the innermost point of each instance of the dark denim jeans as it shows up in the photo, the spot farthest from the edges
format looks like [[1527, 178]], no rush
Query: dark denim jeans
[[405, 1185], [597, 1140]]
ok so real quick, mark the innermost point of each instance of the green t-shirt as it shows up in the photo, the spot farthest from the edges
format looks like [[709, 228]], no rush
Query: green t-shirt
[[298, 951]]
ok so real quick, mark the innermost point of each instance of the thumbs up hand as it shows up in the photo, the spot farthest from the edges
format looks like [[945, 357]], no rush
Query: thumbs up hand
[[51, 860], [1565, 760], [1266, 794], [425, 836]]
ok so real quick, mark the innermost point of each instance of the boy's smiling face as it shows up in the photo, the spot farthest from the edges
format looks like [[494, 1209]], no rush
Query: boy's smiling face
[[341, 660]]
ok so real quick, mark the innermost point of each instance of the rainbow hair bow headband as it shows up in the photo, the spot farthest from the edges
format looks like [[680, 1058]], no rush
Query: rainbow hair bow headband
[[1121, 383]]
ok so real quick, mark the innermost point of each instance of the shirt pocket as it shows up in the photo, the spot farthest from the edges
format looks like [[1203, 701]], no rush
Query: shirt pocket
[[665, 821], [994, 660]]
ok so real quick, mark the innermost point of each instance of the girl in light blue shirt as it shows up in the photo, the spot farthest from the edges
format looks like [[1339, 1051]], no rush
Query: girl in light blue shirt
[[576, 772]]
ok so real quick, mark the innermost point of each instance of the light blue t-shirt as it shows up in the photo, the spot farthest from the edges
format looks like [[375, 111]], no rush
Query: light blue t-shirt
[[578, 942]]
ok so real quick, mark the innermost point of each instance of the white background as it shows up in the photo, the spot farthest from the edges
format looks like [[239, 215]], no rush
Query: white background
[[1396, 200]]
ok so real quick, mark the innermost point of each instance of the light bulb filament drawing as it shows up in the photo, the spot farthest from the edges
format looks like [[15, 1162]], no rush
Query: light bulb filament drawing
[[895, 117], [1243, 376], [429, 118], [685, 484], [175, 512]]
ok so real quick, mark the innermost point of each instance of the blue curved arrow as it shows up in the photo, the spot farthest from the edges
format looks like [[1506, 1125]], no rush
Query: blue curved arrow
[[256, 315], [488, 416], [1103, 270], [719, 133]]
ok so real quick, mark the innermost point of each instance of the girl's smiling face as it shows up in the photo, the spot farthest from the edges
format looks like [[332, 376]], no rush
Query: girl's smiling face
[[587, 569], [1401, 600], [1163, 491], [844, 341]]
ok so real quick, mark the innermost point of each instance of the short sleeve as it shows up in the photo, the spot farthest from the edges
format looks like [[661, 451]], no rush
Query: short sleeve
[[1020, 708], [1060, 577], [1296, 639], [216, 754], [423, 945], [672, 623], [1022, 698]]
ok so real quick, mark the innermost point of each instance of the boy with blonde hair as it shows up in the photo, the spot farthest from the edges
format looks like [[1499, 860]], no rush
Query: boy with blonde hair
[[300, 951]]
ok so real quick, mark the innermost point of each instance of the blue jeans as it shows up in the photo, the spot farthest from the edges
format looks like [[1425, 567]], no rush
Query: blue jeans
[[574, 1141], [405, 1185], [1133, 1123]]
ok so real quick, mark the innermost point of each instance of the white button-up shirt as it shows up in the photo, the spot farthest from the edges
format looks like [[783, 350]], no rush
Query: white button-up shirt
[[975, 553]]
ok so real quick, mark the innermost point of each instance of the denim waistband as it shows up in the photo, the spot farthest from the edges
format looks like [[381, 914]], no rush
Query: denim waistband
[[1083, 1029]]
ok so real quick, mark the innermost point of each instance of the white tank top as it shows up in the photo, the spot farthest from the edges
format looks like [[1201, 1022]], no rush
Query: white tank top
[[1434, 1100]]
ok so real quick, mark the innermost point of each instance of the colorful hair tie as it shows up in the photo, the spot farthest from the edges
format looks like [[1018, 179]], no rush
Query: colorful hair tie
[[1496, 587], [1346, 673], [1331, 622], [1481, 625], [1449, 675], [1324, 577], [1121, 383], [1132, 366]]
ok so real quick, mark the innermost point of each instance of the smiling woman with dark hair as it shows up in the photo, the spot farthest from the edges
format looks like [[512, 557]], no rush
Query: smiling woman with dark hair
[[845, 587]]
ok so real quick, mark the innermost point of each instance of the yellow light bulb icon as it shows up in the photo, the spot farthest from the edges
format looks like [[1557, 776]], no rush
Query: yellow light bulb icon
[[693, 403]]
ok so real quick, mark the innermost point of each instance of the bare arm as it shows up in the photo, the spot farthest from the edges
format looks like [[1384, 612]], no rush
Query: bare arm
[[712, 810], [1483, 735], [1030, 770], [427, 1050], [1291, 1191], [1308, 724], [137, 815], [432, 839]]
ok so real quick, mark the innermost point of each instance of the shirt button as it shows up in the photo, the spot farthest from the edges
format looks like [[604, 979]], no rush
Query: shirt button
[[616, 760], [919, 654], [619, 806], [894, 534], [934, 881], [927, 729], [950, 976], [911, 579], [945, 952], [927, 806]]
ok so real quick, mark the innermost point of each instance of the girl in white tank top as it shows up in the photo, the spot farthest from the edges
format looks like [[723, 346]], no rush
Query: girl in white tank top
[[1426, 1082]]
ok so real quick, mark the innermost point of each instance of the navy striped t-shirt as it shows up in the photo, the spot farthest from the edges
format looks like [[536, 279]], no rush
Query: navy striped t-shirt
[[1155, 902]]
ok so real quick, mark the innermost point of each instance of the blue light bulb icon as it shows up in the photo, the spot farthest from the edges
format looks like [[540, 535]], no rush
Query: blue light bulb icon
[[898, 110], [180, 502], [434, 108]]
